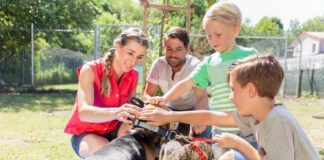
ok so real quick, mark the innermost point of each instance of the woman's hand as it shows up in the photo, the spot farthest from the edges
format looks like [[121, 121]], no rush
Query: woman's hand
[[155, 116], [127, 112]]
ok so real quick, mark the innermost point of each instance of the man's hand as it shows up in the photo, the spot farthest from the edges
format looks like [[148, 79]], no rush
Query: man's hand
[[156, 100], [196, 130]]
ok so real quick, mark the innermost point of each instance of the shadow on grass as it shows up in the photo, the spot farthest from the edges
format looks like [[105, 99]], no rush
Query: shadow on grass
[[15, 102]]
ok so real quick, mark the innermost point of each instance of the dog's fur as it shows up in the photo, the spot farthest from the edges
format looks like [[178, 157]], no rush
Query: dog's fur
[[135, 144], [180, 149]]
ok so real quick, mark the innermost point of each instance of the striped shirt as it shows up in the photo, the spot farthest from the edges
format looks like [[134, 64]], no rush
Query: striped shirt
[[211, 72]]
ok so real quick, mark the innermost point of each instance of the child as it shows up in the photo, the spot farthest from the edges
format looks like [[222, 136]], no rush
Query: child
[[254, 82], [222, 24]]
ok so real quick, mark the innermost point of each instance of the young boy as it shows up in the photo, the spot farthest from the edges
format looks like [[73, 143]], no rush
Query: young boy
[[254, 82], [222, 23]]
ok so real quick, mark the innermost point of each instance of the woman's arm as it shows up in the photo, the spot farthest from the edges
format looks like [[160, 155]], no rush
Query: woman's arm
[[90, 113]]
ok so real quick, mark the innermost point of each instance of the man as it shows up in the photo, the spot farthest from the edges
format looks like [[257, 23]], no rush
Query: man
[[168, 70]]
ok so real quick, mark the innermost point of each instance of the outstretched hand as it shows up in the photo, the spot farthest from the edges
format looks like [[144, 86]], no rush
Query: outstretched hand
[[155, 116]]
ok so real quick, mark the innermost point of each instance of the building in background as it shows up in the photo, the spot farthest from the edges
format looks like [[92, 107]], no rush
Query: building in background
[[308, 44]]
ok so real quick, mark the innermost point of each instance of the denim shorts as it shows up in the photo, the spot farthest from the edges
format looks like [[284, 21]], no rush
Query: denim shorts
[[75, 140]]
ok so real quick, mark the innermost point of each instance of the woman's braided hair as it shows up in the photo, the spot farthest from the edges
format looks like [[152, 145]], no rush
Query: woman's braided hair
[[134, 34]]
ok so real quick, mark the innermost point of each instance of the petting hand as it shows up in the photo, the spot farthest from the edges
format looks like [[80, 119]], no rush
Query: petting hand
[[155, 116], [196, 130], [227, 140], [127, 112]]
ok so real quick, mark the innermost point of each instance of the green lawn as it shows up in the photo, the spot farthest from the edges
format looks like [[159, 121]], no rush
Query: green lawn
[[32, 124]]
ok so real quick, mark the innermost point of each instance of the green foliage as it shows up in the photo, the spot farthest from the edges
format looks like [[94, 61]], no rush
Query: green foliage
[[56, 75], [315, 24], [15, 35]]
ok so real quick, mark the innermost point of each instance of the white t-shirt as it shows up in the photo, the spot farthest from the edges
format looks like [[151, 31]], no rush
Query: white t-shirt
[[279, 135], [161, 74]]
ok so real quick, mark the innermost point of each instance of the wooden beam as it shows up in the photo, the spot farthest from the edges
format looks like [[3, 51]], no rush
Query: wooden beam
[[188, 16], [145, 15], [166, 7]]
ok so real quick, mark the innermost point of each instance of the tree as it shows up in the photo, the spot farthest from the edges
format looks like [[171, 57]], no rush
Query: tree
[[15, 22]]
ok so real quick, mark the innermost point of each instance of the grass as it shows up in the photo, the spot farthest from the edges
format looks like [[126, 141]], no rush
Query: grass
[[58, 87], [32, 124]]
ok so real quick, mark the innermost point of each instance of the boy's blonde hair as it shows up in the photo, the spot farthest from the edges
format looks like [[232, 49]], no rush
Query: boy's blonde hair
[[224, 12], [264, 71]]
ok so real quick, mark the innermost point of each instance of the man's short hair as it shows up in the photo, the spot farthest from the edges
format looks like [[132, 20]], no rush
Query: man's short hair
[[179, 33], [263, 70]]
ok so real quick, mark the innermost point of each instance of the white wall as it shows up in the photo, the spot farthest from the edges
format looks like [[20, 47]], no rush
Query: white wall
[[307, 47]]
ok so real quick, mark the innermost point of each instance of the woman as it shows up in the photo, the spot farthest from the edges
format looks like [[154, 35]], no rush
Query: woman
[[101, 111]]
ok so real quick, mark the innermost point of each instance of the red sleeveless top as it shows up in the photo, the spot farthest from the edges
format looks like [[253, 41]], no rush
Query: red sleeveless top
[[119, 94]]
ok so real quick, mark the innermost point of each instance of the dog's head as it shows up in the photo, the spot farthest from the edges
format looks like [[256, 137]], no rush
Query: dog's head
[[181, 150], [148, 136]]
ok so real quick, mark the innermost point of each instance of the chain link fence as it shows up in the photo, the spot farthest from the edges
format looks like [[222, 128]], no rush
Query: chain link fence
[[47, 61]]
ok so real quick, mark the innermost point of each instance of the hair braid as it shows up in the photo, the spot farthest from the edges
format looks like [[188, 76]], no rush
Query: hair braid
[[105, 82]]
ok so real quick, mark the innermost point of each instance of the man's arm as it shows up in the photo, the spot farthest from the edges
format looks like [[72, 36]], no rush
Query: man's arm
[[176, 92], [150, 91]]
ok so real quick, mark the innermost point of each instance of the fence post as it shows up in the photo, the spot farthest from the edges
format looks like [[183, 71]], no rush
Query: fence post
[[96, 49], [32, 54], [300, 72], [285, 65]]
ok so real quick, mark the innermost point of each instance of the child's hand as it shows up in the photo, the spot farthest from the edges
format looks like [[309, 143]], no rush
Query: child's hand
[[155, 116], [227, 140]]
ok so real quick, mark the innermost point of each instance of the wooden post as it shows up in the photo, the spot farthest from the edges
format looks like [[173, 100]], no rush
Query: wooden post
[[188, 16], [145, 14], [166, 7]]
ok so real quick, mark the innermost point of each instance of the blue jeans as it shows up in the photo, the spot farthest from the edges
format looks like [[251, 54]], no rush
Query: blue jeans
[[75, 140]]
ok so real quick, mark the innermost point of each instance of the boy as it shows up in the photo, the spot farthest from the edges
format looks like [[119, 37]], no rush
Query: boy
[[254, 82], [222, 24]]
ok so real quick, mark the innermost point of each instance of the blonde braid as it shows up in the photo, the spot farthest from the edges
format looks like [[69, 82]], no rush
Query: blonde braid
[[105, 82]]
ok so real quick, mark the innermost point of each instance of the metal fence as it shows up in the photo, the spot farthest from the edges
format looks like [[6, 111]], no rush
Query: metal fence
[[42, 63]]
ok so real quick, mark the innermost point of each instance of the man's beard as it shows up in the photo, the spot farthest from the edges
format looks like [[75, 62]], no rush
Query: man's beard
[[177, 64]]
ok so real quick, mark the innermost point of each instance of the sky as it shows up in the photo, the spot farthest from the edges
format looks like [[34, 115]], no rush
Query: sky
[[286, 10]]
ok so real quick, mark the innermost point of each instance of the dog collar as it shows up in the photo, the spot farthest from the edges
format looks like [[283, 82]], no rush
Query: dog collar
[[164, 132]]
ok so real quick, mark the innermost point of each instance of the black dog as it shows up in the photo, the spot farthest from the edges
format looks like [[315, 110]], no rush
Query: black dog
[[136, 144], [133, 145]]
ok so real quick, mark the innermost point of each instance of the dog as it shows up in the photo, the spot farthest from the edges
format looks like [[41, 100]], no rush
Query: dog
[[135, 144], [183, 148]]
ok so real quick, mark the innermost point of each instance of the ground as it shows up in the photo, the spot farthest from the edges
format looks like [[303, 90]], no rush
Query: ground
[[32, 124]]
